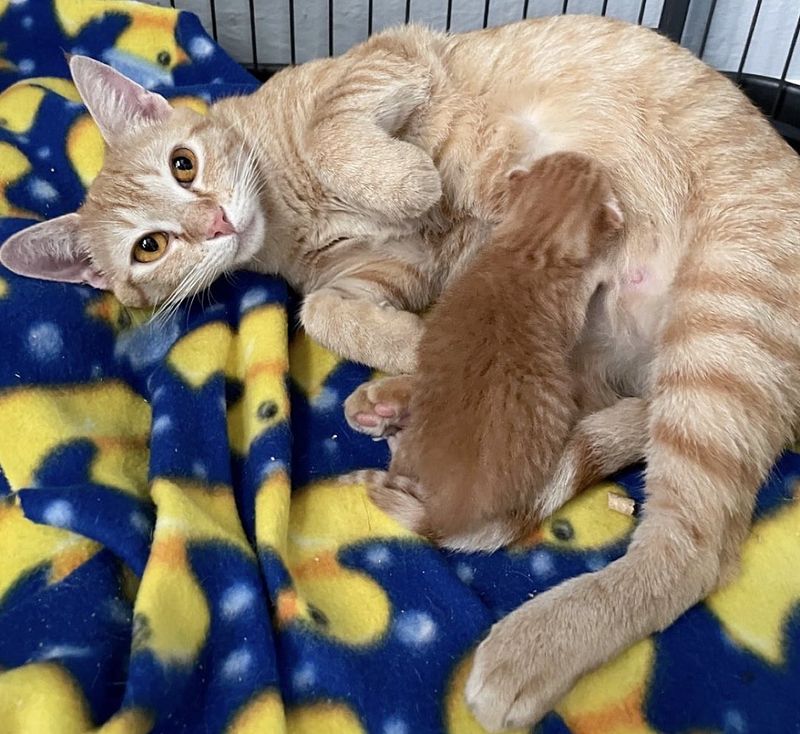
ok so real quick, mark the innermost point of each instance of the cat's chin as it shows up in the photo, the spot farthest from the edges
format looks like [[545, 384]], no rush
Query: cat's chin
[[248, 240]]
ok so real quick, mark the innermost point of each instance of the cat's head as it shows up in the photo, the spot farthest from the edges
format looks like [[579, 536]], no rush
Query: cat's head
[[175, 205]]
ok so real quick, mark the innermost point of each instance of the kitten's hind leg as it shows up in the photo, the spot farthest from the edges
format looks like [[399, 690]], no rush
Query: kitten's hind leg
[[380, 408]]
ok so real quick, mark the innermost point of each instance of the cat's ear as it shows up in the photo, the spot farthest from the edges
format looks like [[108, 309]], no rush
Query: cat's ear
[[51, 251], [355, 148], [117, 104]]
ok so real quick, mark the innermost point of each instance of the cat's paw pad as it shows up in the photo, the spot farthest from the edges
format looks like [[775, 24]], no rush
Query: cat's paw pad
[[379, 408]]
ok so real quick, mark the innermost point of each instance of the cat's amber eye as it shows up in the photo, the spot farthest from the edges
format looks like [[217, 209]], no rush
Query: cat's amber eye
[[150, 247], [183, 165]]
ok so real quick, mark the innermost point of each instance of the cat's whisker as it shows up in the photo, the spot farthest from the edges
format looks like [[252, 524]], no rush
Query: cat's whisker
[[167, 309]]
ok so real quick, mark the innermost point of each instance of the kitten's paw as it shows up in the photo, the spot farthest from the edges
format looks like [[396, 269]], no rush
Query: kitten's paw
[[518, 674], [380, 408], [399, 497]]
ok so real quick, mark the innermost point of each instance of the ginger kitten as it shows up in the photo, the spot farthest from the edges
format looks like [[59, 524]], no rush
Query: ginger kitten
[[494, 398]]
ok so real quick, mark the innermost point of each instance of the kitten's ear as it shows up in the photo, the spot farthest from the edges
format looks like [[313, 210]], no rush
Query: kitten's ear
[[354, 145], [115, 102], [612, 212], [50, 251], [517, 173], [520, 177]]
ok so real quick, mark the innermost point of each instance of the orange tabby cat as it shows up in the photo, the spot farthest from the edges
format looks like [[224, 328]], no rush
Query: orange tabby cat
[[494, 397], [369, 181]]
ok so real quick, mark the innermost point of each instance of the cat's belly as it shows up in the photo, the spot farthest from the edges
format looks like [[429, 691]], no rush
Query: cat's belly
[[623, 323]]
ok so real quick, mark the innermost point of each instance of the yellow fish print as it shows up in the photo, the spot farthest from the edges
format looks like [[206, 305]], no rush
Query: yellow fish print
[[35, 695], [611, 700], [27, 546], [585, 523], [310, 365], [14, 166], [171, 613], [109, 414], [19, 104]]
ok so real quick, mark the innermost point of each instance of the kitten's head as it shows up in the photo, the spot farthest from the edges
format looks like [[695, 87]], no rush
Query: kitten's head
[[569, 194], [175, 205]]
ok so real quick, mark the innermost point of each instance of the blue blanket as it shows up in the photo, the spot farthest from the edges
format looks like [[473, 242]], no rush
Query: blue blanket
[[176, 554]]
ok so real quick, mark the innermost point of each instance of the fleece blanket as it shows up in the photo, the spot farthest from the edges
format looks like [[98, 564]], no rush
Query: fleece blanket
[[176, 554]]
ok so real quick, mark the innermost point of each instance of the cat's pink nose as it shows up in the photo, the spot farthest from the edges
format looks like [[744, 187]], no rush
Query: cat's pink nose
[[220, 226]]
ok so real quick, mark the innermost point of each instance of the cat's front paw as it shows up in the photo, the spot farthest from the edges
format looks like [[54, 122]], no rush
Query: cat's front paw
[[522, 668], [380, 408], [422, 185]]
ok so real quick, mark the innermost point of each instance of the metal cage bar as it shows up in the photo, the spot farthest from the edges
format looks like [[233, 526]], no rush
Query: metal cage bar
[[749, 40], [782, 81], [709, 18], [253, 42], [330, 27], [213, 8], [292, 40], [673, 19]]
